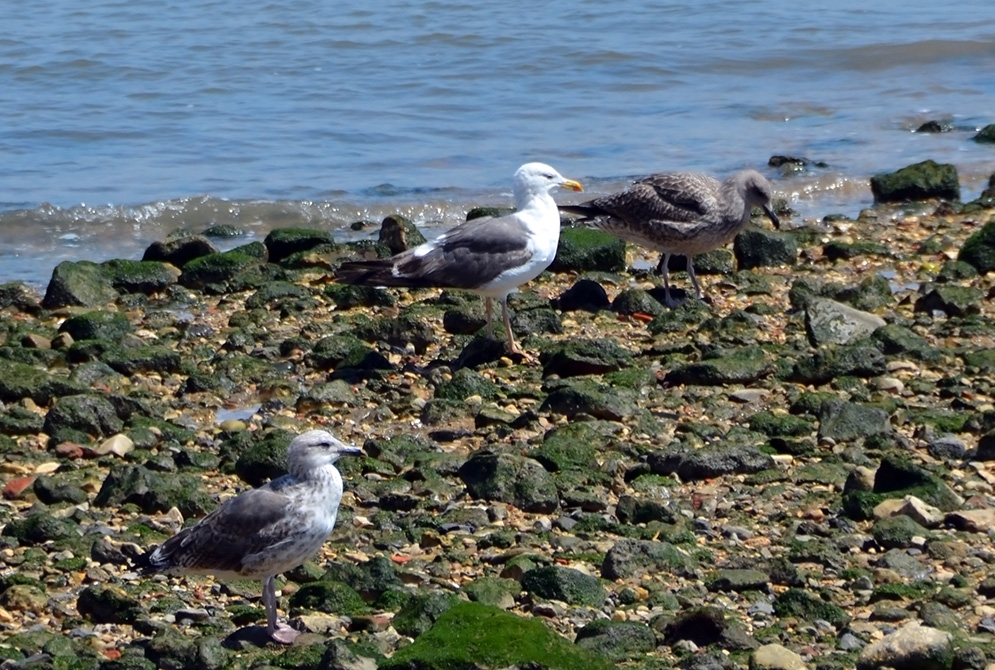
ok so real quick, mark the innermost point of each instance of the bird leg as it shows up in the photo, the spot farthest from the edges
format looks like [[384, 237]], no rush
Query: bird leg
[[694, 280], [278, 632], [663, 269], [489, 306], [512, 347]]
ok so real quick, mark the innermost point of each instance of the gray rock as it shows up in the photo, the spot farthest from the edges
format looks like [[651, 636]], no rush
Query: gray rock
[[630, 558], [616, 640], [704, 626], [830, 322], [585, 295], [843, 421], [709, 462], [834, 361], [744, 579], [517, 480], [81, 284], [633, 510], [911, 647], [493, 591], [398, 331], [556, 582]]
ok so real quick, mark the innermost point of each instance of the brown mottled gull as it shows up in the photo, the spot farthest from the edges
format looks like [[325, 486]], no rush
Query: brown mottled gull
[[268, 530], [682, 213], [491, 257]]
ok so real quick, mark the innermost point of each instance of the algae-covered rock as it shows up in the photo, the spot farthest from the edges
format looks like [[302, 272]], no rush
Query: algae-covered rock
[[216, 268], [584, 249], [616, 640], [493, 591], [102, 603], [921, 181], [809, 607], [840, 420], [283, 242], [637, 301], [348, 296], [265, 458], [950, 300], [88, 413], [154, 492], [331, 597], [736, 366], [585, 396], [399, 234], [81, 284], [19, 381], [517, 480], [97, 325], [148, 277], [832, 361], [179, 251], [979, 249], [708, 462], [474, 636], [556, 582], [584, 356], [465, 383], [40, 528], [631, 558], [421, 611], [986, 135], [398, 331], [571, 446], [756, 248]]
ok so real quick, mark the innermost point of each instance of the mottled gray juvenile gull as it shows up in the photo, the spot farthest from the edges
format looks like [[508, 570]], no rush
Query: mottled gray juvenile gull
[[268, 530], [491, 257], [682, 213]]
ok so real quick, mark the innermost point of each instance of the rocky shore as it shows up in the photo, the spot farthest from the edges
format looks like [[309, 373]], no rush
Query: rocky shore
[[794, 475]]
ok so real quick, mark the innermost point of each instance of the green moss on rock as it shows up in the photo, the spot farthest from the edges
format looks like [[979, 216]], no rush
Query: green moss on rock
[[471, 635]]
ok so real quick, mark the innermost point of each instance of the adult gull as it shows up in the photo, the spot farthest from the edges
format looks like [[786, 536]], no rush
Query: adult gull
[[682, 213], [267, 530], [491, 257]]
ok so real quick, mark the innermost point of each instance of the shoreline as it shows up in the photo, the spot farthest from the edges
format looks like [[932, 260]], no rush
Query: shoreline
[[704, 481]]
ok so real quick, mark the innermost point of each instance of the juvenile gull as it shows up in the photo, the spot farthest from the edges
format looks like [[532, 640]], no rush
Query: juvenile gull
[[268, 530], [682, 213], [491, 257]]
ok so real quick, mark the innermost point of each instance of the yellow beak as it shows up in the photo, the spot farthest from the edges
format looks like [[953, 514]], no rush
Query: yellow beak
[[572, 185]]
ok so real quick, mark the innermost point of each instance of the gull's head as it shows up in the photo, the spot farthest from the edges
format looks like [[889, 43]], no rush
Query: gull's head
[[538, 178], [314, 449], [757, 192]]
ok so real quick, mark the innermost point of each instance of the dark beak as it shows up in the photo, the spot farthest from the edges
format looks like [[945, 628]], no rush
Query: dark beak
[[772, 216]]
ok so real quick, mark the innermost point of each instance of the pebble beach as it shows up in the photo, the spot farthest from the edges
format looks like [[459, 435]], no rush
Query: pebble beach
[[794, 474]]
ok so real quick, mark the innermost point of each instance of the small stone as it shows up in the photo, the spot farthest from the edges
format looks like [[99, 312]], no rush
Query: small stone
[[16, 487], [119, 445], [776, 657]]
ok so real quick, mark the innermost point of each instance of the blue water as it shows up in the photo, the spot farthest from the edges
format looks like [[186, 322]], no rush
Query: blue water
[[124, 120]]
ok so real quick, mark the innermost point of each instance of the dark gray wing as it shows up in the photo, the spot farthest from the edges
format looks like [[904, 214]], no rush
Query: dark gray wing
[[470, 255], [242, 526], [667, 196]]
